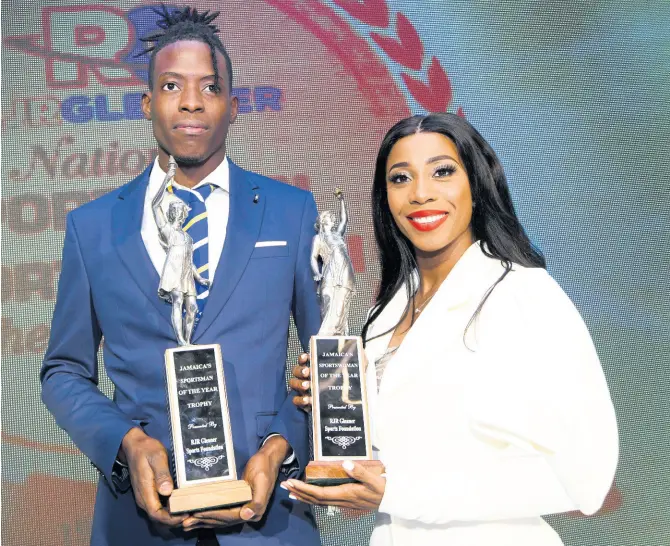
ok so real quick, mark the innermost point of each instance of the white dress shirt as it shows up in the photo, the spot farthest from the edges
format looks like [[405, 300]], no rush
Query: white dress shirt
[[217, 205], [482, 433]]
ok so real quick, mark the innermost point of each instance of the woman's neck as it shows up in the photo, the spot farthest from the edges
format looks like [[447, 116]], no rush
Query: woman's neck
[[435, 266]]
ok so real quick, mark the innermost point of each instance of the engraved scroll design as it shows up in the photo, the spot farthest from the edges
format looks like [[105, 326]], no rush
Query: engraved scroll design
[[344, 441], [206, 462]]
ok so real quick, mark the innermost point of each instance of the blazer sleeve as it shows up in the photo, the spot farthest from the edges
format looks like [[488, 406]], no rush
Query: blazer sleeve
[[69, 373], [539, 399], [291, 422]]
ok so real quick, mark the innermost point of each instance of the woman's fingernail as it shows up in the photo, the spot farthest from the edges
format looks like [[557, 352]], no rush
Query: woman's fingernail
[[305, 372], [292, 497], [305, 399], [305, 384], [348, 465]]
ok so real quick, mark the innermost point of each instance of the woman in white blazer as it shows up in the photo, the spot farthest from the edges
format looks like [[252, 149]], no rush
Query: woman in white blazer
[[488, 402]]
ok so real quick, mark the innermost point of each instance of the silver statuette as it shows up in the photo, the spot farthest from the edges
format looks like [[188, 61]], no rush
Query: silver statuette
[[177, 284], [336, 274]]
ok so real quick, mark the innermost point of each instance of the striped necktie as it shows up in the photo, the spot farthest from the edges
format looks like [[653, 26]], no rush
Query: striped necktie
[[196, 226]]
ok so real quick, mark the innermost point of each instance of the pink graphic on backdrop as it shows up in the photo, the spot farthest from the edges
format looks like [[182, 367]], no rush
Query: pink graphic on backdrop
[[93, 40], [80, 41]]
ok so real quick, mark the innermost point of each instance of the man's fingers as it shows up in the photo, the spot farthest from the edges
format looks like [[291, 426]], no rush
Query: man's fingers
[[194, 526], [300, 385], [301, 372], [147, 498], [161, 469], [163, 516], [144, 488], [260, 494], [209, 524], [213, 518], [150, 475], [303, 402]]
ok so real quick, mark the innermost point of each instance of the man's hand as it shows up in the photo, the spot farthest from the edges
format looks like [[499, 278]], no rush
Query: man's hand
[[301, 384], [261, 475], [150, 477], [213, 518], [364, 496]]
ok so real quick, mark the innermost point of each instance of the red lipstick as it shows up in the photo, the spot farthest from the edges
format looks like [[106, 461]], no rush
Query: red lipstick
[[427, 220]]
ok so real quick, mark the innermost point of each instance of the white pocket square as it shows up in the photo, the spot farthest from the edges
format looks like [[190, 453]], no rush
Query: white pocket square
[[270, 243]]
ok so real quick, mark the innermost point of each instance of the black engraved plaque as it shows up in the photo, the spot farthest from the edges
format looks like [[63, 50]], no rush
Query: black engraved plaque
[[340, 416], [202, 441]]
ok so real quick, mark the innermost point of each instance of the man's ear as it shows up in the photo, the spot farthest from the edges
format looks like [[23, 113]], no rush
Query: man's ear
[[146, 105], [234, 106]]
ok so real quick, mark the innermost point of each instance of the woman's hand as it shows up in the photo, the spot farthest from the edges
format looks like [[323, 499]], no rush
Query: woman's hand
[[301, 384], [365, 495]]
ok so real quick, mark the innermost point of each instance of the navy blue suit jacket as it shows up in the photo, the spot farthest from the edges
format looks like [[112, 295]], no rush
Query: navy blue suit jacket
[[108, 291]]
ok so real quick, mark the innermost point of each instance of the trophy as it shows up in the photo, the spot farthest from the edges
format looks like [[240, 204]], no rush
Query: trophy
[[204, 458], [340, 420]]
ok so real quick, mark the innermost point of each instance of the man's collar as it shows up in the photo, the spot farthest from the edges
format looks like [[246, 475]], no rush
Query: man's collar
[[219, 177]]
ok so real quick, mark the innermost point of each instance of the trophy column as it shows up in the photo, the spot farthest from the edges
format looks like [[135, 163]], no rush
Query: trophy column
[[204, 458], [340, 419], [202, 441]]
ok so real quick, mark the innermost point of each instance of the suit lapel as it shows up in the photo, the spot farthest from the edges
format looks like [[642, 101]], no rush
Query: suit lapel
[[127, 236], [244, 223]]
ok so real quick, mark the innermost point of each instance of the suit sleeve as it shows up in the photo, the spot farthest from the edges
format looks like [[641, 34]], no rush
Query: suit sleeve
[[306, 312], [539, 399], [69, 374], [291, 422]]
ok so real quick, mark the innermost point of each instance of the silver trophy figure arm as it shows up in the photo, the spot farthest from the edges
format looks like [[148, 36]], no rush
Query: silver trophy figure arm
[[157, 201], [344, 218], [200, 279], [314, 258]]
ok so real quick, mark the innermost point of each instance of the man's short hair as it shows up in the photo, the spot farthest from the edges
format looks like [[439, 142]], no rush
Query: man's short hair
[[182, 25]]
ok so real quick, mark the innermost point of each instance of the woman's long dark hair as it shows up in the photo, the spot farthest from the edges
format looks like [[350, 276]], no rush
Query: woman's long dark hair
[[494, 221]]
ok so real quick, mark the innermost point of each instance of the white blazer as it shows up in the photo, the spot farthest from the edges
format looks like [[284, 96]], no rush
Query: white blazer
[[483, 434]]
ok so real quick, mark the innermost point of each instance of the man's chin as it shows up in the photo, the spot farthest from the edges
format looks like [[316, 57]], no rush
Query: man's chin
[[189, 161]]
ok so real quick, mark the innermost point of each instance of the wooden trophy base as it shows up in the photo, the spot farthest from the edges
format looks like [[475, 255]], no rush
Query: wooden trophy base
[[209, 496], [327, 473]]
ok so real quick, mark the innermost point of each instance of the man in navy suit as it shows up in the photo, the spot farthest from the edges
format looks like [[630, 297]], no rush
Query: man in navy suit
[[258, 243]]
